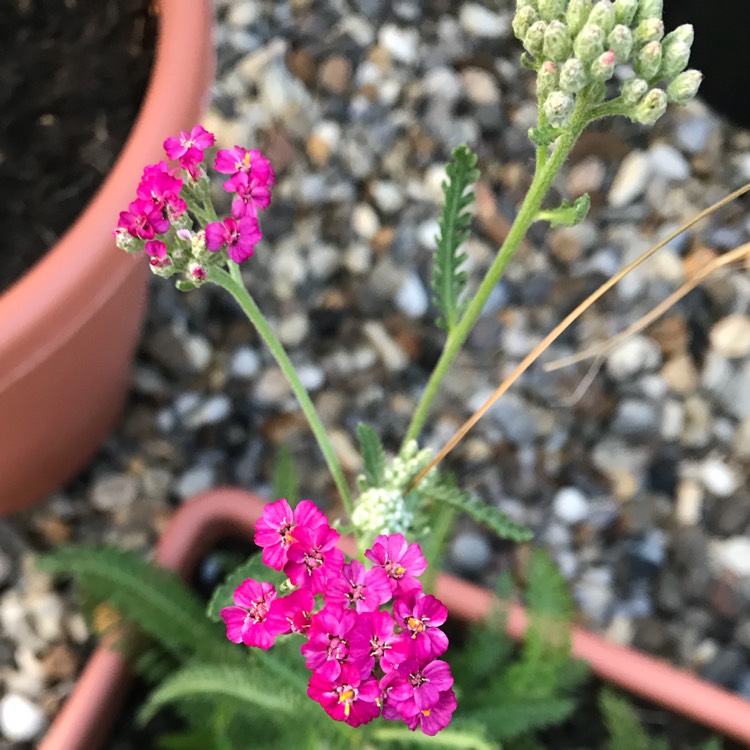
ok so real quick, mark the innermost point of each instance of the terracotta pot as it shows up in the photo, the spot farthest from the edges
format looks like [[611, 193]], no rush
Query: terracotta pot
[[88, 714], [68, 328]]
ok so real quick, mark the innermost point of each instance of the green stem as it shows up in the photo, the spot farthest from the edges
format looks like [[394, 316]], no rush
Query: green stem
[[232, 282], [543, 177], [452, 738]]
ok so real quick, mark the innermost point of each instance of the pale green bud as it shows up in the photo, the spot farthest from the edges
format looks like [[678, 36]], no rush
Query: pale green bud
[[684, 87], [674, 60], [620, 41], [625, 11], [534, 39], [682, 34], [651, 107], [526, 4], [557, 42], [577, 15], [573, 76], [633, 90], [551, 10], [523, 20], [589, 43], [547, 78], [603, 14], [558, 107], [650, 9], [650, 30], [603, 68], [648, 61], [125, 241]]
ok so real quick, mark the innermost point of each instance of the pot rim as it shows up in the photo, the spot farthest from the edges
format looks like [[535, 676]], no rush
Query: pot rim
[[79, 272], [200, 522]]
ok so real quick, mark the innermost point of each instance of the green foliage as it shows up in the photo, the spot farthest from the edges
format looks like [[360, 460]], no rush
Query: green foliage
[[492, 518], [285, 481], [448, 278], [373, 455], [253, 567], [567, 215]]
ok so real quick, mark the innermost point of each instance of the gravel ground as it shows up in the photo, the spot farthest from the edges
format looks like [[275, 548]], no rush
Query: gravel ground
[[631, 473]]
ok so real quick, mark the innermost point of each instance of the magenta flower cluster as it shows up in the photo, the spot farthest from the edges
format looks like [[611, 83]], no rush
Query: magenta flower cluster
[[160, 220], [366, 660]]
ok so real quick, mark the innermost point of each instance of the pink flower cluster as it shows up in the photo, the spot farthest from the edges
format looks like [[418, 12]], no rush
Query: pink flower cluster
[[366, 661], [160, 221]]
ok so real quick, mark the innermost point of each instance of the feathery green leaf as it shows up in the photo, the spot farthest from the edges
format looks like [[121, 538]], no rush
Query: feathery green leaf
[[448, 278], [373, 455]]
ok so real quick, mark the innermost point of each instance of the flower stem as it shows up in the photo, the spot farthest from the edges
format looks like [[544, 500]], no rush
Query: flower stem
[[545, 173], [232, 282]]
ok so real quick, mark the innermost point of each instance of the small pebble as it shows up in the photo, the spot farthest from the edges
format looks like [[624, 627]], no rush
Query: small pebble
[[20, 719], [731, 336], [481, 22], [411, 297], [470, 551], [114, 492], [634, 355], [570, 505], [631, 180], [732, 555]]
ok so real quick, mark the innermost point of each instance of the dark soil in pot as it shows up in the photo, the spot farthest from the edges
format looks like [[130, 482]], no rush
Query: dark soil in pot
[[74, 74]]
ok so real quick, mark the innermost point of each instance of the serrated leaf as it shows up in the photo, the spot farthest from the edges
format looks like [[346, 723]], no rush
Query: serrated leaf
[[510, 718], [285, 482], [253, 567], [373, 455], [625, 730], [448, 278], [489, 516]]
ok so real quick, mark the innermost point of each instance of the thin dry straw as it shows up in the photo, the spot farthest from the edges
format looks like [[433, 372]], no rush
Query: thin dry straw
[[534, 354]]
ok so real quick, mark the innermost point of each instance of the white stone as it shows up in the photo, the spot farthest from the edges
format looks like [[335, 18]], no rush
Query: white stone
[[20, 719], [245, 363], [195, 480], [293, 329], [401, 42], [570, 505], [732, 555], [634, 355], [470, 551], [391, 354], [689, 506], [731, 336], [631, 179], [718, 478], [411, 297], [481, 87], [365, 221], [198, 351], [388, 195], [668, 162], [482, 22], [212, 410], [311, 377]]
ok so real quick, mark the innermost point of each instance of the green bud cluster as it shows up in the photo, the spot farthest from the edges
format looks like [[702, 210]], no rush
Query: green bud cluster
[[575, 45]]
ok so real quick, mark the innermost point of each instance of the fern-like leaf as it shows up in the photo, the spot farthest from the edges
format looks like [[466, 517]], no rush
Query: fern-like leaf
[[152, 597], [458, 736], [492, 518], [285, 482], [448, 278], [511, 717], [373, 455], [547, 591], [235, 684], [253, 567], [625, 730]]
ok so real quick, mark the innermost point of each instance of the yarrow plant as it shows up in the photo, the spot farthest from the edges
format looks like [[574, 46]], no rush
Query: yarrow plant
[[370, 630]]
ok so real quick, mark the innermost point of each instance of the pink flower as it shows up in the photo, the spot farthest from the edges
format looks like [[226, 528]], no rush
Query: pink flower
[[292, 613], [252, 162], [432, 720], [157, 252], [239, 237], [314, 559], [401, 561], [247, 621], [374, 637], [197, 272], [327, 647], [252, 194], [160, 187], [420, 615], [143, 220], [348, 697], [189, 147], [273, 531], [359, 589]]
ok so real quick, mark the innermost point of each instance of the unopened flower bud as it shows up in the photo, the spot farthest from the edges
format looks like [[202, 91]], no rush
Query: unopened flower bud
[[534, 39], [125, 241], [603, 15], [197, 273], [682, 34], [650, 9], [625, 11], [557, 42], [589, 43], [651, 107], [650, 30], [558, 107], [620, 40], [577, 15], [551, 10], [648, 61], [633, 90], [573, 76], [522, 21], [684, 87], [674, 60], [603, 68], [547, 78]]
